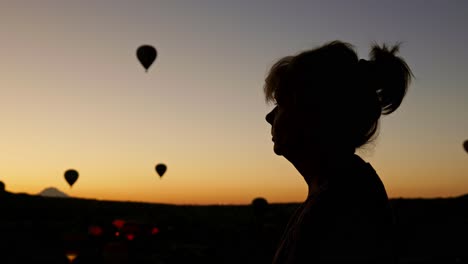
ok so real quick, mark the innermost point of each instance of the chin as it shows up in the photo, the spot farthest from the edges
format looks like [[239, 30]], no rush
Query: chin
[[278, 150]]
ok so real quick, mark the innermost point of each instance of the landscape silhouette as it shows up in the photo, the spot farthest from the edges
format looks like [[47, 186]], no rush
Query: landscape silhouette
[[38, 229]]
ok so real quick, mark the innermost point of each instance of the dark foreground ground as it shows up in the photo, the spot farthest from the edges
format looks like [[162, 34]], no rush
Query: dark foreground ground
[[36, 229]]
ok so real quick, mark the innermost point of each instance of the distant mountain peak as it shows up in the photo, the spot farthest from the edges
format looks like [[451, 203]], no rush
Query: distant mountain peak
[[53, 192]]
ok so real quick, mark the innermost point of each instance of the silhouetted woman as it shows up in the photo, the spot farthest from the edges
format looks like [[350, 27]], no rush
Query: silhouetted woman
[[328, 104]]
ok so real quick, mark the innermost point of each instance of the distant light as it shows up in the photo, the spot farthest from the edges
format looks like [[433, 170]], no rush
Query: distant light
[[119, 223], [95, 230], [130, 237], [154, 230], [71, 256], [117, 233]]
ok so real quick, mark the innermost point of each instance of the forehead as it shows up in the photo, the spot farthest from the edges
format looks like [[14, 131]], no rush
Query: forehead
[[284, 95], [292, 89]]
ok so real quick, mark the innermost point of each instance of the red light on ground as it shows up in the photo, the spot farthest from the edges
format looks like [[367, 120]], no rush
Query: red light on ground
[[130, 237], [71, 256], [154, 230], [95, 230], [119, 223]]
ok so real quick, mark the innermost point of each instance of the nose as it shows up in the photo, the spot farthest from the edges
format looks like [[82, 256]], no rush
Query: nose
[[271, 116]]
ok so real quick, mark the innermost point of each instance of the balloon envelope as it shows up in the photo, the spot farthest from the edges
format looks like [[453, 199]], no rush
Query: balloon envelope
[[260, 206], [71, 176], [146, 54], [161, 169], [465, 145], [260, 203]]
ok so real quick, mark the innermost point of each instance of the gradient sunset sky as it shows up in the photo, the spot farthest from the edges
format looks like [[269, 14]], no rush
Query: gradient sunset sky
[[73, 95]]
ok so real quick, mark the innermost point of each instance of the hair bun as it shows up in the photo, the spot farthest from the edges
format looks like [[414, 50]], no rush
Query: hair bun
[[392, 76]]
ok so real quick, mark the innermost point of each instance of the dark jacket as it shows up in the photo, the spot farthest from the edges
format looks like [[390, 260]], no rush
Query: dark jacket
[[349, 221]]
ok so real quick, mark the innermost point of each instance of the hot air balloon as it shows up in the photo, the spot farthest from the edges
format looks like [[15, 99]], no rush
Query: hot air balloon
[[146, 54], [161, 169], [71, 176], [260, 206], [465, 145]]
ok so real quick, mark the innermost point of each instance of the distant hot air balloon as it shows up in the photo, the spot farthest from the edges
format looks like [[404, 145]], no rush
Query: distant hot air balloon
[[146, 54], [161, 169], [260, 206], [71, 176], [465, 145]]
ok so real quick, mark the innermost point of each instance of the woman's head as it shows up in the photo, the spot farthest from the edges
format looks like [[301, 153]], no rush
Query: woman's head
[[326, 98]]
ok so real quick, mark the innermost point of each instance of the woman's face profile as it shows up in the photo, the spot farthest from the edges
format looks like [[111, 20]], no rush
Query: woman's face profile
[[285, 129]]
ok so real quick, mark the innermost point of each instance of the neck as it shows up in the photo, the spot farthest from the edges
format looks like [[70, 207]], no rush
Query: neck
[[317, 168]]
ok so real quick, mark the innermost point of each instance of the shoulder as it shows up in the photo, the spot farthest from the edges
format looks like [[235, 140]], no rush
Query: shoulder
[[360, 219]]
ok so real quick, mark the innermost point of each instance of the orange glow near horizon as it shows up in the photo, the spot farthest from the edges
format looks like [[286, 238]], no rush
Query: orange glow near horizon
[[205, 188], [208, 178]]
